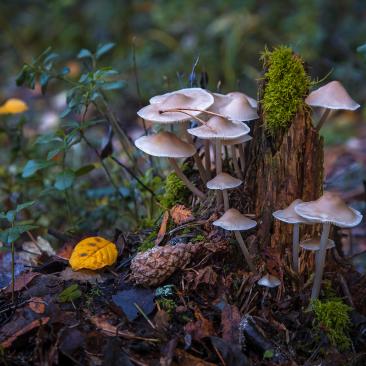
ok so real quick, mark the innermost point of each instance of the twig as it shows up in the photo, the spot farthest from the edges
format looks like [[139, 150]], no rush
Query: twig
[[144, 315], [345, 289]]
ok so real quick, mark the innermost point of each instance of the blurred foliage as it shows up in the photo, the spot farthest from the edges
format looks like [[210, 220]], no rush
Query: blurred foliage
[[168, 35]]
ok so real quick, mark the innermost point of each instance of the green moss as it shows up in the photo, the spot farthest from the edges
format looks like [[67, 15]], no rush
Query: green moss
[[286, 86], [332, 317], [168, 305], [149, 242], [199, 237], [175, 191]]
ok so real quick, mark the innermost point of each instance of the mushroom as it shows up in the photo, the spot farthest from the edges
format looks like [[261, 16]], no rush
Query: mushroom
[[224, 181], [195, 100], [253, 103], [289, 216], [219, 129], [166, 144], [328, 209], [240, 143], [233, 220], [313, 245], [269, 281], [331, 96]]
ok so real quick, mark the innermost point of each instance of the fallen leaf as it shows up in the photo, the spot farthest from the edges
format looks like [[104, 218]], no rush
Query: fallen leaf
[[21, 281], [93, 253], [230, 320], [200, 328], [162, 230], [181, 214], [231, 353], [205, 275], [127, 299], [83, 275], [186, 359], [34, 324], [65, 251], [33, 250], [37, 305]]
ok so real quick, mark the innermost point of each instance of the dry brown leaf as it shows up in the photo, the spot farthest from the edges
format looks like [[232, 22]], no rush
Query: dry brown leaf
[[200, 328], [37, 305], [163, 227], [230, 319], [181, 214], [34, 324], [21, 281], [65, 251], [83, 275], [205, 275], [186, 359]]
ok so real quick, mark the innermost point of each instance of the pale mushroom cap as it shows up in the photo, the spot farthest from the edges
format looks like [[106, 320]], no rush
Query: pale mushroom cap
[[223, 181], [329, 208], [289, 214], [239, 109], [220, 128], [333, 96], [220, 100], [238, 141], [269, 281], [195, 98], [233, 220], [253, 103], [313, 244], [165, 144]]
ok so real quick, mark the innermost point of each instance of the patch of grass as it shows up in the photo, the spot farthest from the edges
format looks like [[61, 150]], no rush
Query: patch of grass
[[287, 85], [332, 317]]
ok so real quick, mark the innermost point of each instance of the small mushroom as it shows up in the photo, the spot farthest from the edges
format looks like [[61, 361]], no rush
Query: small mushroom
[[253, 103], [224, 181], [240, 144], [289, 216], [233, 220], [331, 96], [313, 245], [218, 129], [328, 209], [269, 281], [166, 144]]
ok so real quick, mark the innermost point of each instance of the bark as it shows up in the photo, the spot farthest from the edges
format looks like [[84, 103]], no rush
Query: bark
[[278, 170]]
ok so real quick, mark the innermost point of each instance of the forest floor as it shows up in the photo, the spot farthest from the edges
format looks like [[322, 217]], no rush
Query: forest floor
[[211, 312]]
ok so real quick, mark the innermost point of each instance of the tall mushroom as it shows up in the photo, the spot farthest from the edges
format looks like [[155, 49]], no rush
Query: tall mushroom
[[233, 220], [289, 216], [223, 182], [313, 245], [195, 100], [240, 144], [328, 209], [166, 144], [331, 96]]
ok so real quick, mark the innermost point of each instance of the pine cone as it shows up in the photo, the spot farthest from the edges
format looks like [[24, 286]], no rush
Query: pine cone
[[154, 266]]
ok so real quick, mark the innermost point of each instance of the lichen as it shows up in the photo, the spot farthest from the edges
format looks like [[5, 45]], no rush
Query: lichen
[[332, 317], [175, 191], [286, 86]]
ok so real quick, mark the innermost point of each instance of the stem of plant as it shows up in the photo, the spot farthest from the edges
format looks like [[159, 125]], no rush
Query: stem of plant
[[245, 251], [186, 181], [295, 247], [226, 199], [238, 172], [218, 163], [207, 158], [320, 262], [242, 156], [323, 118]]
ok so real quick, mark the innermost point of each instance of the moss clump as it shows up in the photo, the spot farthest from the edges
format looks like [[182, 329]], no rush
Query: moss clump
[[287, 84], [175, 191], [149, 242], [332, 317]]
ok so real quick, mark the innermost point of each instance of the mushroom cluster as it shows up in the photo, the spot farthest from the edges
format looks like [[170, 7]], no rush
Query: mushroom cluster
[[327, 210]]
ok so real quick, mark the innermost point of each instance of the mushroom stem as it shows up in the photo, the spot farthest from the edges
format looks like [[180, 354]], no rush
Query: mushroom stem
[[207, 158], [193, 110], [218, 163], [242, 157], [320, 261], [186, 181], [245, 251], [226, 199], [196, 157], [235, 162], [323, 118], [295, 247]]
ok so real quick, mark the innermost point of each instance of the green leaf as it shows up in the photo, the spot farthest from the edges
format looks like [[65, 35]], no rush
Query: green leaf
[[52, 153], [43, 80], [113, 85], [268, 354], [84, 170], [13, 233], [64, 180], [103, 49], [362, 49], [32, 166], [24, 205], [84, 53], [48, 138], [70, 293]]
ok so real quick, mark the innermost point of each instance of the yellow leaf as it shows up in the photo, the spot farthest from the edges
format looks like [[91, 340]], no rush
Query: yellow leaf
[[13, 106], [93, 253], [181, 214]]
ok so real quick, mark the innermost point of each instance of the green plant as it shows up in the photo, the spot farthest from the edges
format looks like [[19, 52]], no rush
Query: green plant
[[167, 304], [70, 294], [332, 318], [286, 85], [175, 191], [14, 231]]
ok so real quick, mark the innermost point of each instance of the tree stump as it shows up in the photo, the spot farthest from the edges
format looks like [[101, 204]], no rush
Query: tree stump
[[280, 168]]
